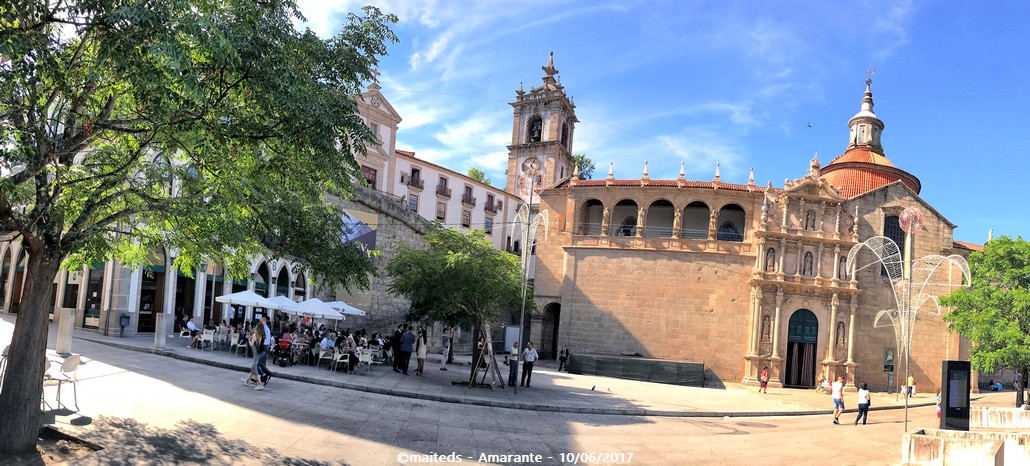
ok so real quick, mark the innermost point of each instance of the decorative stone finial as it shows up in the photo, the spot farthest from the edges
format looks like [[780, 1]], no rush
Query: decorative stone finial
[[716, 173], [682, 177], [519, 91], [751, 178], [645, 171], [770, 185], [990, 235], [575, 171], [611, 170]]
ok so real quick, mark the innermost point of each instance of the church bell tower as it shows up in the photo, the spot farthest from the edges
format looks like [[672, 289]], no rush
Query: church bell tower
[[541, 135]]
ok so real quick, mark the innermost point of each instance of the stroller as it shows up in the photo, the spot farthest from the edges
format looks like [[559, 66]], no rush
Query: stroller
[[282, 354]]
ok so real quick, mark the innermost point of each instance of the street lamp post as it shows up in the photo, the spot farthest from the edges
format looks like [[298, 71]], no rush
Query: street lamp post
[[528, 232]]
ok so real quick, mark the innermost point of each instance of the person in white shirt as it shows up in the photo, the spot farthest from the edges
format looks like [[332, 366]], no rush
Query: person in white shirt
[[837, 390], [529, 356], [863, 404], [194, 331]]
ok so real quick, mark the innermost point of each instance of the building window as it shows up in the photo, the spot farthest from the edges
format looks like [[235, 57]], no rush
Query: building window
[[370, 175], [892, 229], [416, 174], [490, 200], [466, 218], [488, 226], [516, 247], [441, 211], [413, 202], [443, 182], [375, 130]]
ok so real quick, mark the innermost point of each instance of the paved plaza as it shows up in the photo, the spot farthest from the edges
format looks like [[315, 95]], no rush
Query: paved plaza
[[187, 406]]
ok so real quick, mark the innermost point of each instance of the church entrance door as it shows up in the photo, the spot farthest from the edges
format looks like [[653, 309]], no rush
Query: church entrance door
[[802, 335]]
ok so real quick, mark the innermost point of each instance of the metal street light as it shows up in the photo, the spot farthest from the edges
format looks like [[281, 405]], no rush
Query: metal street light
[[528, 225]]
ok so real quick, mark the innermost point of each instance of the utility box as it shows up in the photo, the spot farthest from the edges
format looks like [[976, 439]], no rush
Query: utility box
[[123, 321], [955, 376]]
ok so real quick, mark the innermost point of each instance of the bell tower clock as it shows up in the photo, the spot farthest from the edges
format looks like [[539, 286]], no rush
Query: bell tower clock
[[541, 135]]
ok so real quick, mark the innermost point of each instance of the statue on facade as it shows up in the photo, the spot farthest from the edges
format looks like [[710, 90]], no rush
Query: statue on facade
[[677, 223], [766, 332], [840, 334], [807, 270], [770, 260], [606, 220], [810, 220]]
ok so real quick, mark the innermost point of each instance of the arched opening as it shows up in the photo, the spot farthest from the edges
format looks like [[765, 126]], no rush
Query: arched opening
[[892, 229], [548, 345], [94, 295], [695, 221], [731, 223], [807, 267], [624, 219], [565, 135], [802, 336], [658, 223], [5, 272], [591, 217], [282, 283], [300, 288], [534, 129], [152, 292]]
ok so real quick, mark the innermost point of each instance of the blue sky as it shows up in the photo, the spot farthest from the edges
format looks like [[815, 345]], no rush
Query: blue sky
[[734, 83]]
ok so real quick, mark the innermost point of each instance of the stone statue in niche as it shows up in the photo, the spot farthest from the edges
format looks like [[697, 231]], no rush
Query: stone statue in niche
[[677, 223], [842, 269], [641, 221], [810, 220], [770, 260], [807, 270], [766, 332], [840, 334], [606, 220]]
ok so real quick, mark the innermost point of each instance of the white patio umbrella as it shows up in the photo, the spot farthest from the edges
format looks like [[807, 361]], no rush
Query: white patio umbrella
[[316, 308], [345, 308], [248, 299], [282, 302]]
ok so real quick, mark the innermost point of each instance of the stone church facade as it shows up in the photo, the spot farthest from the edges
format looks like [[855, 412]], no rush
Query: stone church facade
[[741, 276]]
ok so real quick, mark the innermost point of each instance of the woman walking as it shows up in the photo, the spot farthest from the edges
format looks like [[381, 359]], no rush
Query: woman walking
[[421, 350], [863, 404], [257, 338]]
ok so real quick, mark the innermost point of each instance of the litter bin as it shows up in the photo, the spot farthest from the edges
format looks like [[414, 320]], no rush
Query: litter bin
[[123, 320]]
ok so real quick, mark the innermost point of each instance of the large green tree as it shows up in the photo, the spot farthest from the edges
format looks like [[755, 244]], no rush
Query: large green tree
[[586, 166], [478, 175], [994, 312], [211, 128], [458, 279]]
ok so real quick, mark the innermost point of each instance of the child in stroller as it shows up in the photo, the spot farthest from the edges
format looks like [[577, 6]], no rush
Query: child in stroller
[[281, 353]]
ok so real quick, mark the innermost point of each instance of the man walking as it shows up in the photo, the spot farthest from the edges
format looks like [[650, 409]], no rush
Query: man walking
[[395, 345], [838, 399], [407, 346], [529, 356], [563, 358]]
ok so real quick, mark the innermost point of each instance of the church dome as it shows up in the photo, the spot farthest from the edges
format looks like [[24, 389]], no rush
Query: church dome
[[863, 167]]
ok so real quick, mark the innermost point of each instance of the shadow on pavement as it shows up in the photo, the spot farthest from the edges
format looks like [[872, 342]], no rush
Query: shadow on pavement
[[127, 441]]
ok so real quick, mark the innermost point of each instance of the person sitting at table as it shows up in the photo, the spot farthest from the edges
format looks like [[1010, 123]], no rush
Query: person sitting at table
[[352, 352], [194, 331], [329, 341]]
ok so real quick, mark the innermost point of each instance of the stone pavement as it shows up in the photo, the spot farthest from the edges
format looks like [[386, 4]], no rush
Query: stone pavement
[[186, 406], [550, 391]]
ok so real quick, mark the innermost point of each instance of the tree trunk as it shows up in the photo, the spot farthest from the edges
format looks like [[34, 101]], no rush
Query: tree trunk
[[23, 381], [1019, 388], [477, 330]]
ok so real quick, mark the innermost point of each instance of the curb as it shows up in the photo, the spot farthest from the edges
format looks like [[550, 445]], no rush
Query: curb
[[488, 403]]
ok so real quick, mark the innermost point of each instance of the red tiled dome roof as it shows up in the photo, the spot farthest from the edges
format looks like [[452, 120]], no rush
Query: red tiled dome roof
[[860, 170], [862, 155]]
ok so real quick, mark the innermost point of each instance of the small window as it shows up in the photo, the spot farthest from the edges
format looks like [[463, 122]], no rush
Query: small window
[[441, 211], [516, 247], [468, 191], [416, 174], [443, 182], [489, 199], [488, 226], [466, 218], [370, 175], [413, 202]]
